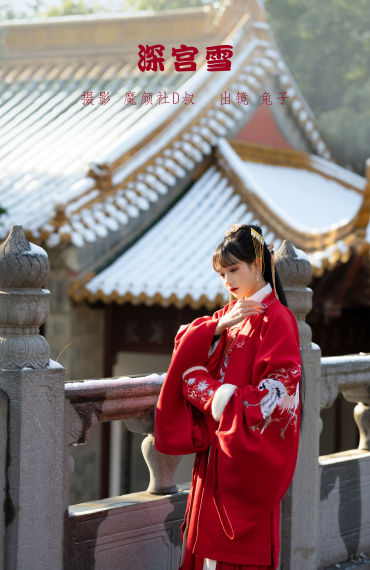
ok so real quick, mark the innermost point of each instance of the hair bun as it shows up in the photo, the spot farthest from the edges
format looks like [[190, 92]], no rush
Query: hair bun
[[257, 229]]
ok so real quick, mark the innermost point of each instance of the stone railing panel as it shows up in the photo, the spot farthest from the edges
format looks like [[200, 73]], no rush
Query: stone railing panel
[[138, 530], [344, 519]]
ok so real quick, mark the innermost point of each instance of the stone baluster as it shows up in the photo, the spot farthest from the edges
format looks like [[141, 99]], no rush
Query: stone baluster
[[33, 386], [299, 528], [362, 417], [360, 395], [161, 467]]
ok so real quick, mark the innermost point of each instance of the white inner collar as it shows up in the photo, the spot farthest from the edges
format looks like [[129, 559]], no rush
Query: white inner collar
[[261, 293]]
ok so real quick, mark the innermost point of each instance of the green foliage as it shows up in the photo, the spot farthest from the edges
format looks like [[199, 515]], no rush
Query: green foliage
[[37, 9], [7, 12], [326, 44], [72, 8], [76, 7]]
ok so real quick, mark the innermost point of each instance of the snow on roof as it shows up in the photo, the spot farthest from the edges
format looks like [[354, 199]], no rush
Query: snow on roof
[[172, 262], [305, 200], [48, 138], [308, 201]]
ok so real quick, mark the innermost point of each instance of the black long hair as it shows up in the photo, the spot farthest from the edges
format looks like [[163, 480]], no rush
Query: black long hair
[[238, 243]]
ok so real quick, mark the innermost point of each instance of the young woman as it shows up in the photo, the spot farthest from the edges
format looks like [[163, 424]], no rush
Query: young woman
[[232, 395]]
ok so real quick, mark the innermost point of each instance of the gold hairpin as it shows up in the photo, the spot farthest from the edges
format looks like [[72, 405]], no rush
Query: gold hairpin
[[258, 243]]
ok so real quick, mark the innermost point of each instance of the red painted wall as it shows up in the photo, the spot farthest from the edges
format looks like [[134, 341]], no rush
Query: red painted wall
[[262, 128]]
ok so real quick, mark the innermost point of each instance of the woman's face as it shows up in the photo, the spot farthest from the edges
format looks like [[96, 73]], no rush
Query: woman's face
[[240, 278]]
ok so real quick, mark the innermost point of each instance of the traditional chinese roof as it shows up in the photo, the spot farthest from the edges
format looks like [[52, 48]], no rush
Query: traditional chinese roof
[[171, 263], [78, 174]]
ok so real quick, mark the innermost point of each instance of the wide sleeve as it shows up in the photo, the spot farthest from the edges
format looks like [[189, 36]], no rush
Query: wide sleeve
[[179, 427], [259, 431]]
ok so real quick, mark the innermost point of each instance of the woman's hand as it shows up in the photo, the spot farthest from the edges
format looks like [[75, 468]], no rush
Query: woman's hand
[[241, 310]]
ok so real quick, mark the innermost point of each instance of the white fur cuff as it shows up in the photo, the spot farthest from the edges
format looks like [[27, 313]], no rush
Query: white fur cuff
[[220, 399], [192, 369]]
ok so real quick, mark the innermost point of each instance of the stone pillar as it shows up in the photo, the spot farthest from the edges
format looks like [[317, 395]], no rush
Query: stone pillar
[[299, 527], [3, 452], [34, 388]]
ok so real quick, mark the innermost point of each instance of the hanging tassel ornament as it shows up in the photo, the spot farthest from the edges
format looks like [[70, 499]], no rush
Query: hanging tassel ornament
[[270, 247], [258, 243]]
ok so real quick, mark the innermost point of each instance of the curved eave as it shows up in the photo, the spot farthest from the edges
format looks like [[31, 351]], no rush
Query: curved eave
[[321, 261], [84, 294], [326, 260], [353, 232], [175, 239]]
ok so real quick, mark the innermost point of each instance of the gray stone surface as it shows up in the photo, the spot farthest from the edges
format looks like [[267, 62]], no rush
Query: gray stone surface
[[24, 306], [161, 467], [349, 374], [138, 531], [34, 388], [300, 506], [3, 453], [344, 530], [35, 498]]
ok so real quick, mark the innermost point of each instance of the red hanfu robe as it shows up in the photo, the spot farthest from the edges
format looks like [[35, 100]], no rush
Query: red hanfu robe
[[245, 462]]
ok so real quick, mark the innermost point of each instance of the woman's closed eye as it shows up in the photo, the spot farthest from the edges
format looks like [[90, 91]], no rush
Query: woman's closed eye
[[231, 271]]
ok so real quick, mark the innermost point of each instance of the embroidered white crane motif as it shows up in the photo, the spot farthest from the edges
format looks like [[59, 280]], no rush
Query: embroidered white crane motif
[[276, 392], [278, 397]]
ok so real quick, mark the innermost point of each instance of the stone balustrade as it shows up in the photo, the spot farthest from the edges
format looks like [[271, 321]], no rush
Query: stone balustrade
[[130, 398], [350, 376], [345, 476], [325, 514]]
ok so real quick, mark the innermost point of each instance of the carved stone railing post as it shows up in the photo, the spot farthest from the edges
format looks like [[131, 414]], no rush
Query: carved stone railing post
[[34, 388], [299, 527]]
